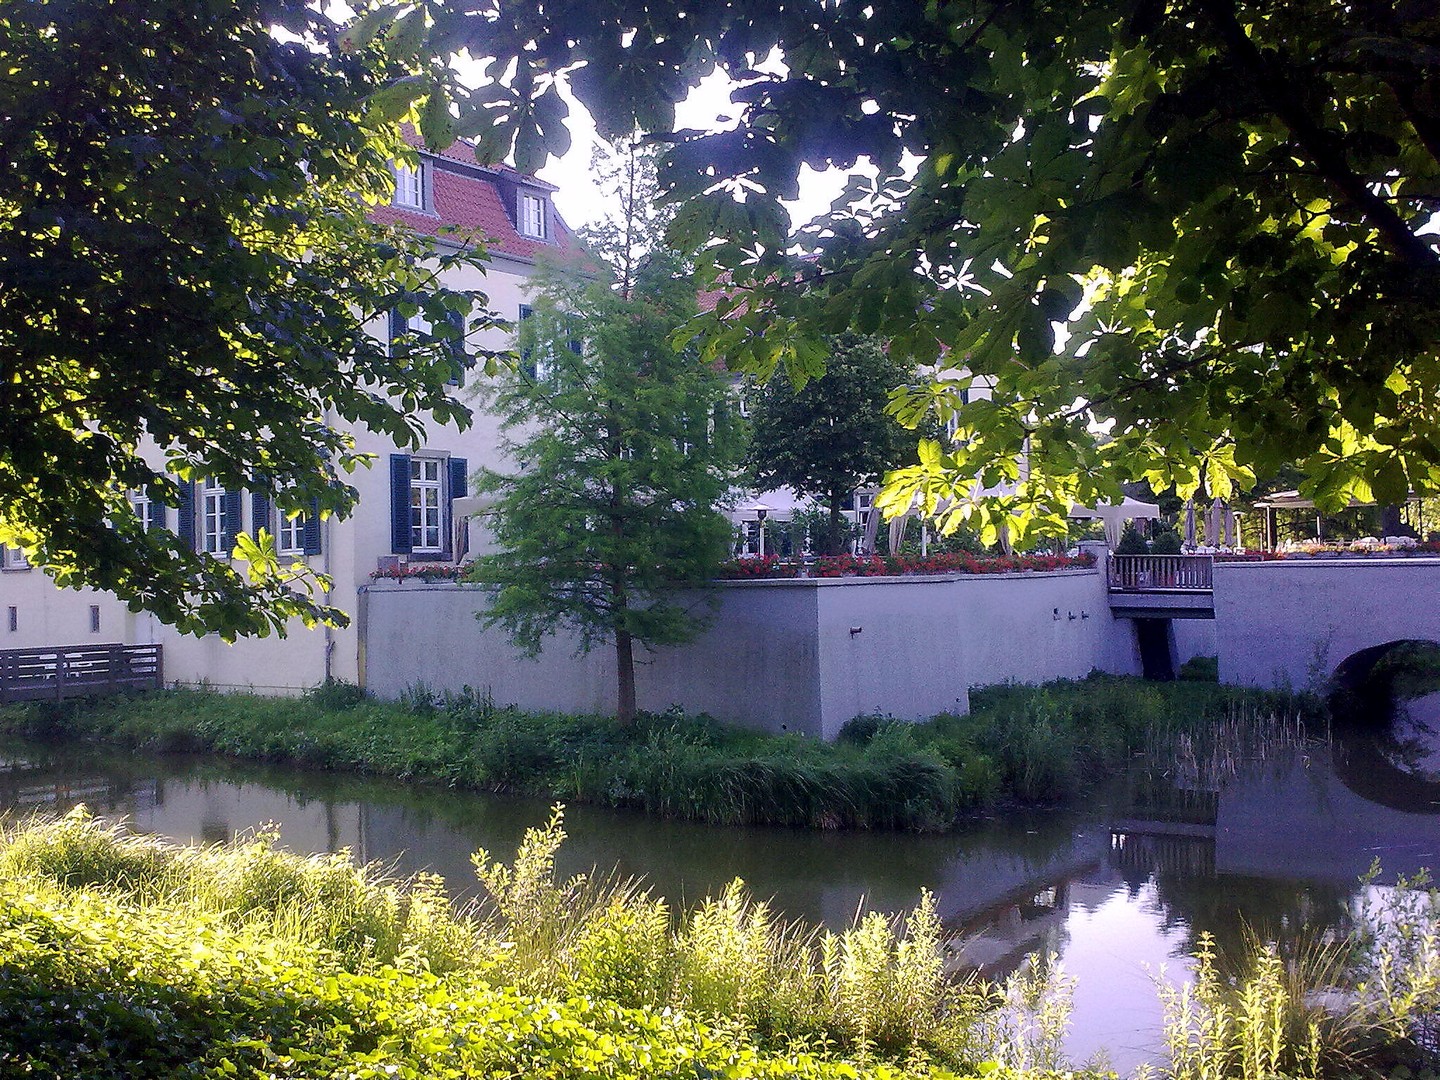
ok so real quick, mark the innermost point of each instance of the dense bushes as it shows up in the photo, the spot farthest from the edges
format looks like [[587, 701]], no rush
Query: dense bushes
[[1029, 743], [127, 957], [1043, 743]]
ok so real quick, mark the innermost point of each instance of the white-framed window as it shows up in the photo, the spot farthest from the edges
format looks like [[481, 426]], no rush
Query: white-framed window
[[863, 501], [537, 364], [12, 558], [743, 390], [686, 442], [212, 518], [289, 533], [532, 216], [427, 478], [144, 511], [407, 326], [422, 489], [748, 541], [409, 185]]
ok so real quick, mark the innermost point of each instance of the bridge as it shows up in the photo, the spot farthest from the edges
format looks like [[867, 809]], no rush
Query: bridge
[[1291, 622], [1294, 622], [1161, 586]]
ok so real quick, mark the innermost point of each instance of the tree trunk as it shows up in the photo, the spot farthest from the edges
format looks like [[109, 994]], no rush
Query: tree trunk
[[1391, 523], [624, 678], [833, 528]]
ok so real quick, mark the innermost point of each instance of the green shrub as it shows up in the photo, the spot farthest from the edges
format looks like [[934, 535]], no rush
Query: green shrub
[[1131, 542], [97, 988], [75, 852], [1166, 542], [336, 694], [859, 730], [1200, 669]]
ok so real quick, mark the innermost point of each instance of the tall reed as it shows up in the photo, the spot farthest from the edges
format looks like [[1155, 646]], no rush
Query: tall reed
[[875, 987]]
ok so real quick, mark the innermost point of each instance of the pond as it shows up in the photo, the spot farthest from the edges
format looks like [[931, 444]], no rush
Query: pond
[[1115, 894]]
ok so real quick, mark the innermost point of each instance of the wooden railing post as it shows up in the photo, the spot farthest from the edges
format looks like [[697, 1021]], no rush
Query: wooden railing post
[[1137, 573]]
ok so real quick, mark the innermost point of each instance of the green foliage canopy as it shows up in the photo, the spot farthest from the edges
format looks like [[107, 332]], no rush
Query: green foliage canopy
[[186, 274], [1202, 227], [621, 462], [833, 434]]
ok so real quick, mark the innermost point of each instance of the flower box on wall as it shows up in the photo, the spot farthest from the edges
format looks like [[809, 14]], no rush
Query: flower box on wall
[[833, 566]]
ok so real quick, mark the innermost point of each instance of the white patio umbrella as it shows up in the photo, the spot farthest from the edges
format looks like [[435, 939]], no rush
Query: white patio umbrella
[[897, 530], [1114, 516], [1212, 526], [1190, 524]]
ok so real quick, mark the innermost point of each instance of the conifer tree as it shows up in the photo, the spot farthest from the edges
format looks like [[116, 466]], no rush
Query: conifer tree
[[620, 451]]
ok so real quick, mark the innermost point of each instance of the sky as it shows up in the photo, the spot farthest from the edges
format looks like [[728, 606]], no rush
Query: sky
[[707, 108]]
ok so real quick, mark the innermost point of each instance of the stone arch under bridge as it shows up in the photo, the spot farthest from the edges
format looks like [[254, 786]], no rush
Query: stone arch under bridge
[[1353, 672]]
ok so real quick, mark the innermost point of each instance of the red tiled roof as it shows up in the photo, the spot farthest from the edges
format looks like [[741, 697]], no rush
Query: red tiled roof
[[463, 199]]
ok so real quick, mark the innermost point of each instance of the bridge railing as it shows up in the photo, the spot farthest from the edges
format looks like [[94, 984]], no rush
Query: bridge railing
[[50, 674], [1148, 573]]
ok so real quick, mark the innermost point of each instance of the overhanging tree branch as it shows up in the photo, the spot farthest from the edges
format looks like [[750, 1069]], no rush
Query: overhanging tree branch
[[1322, 145]]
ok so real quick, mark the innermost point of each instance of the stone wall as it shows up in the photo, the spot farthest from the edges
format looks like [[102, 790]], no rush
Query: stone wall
[[1292, 622], [803, 655]]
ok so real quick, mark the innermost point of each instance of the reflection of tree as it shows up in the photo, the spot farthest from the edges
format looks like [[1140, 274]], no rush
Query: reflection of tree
[[1290, 914], [1376, 767], [1406, 669], [1412, 740]]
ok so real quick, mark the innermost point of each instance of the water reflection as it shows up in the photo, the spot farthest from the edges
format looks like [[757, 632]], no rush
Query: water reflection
[[1410, 742], [1279, 851]]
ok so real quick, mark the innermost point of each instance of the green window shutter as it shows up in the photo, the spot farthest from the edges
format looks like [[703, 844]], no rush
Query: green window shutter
[[457, 347], [527, 362], [311, 528], [185, 525], [259, 511], [400, 504], [459, 478]]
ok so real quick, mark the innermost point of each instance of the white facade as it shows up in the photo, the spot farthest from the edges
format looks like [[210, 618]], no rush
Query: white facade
[[516, 215]]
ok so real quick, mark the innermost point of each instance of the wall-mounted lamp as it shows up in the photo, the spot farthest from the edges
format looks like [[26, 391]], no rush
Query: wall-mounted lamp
[[855, 630], [1057, 614], [1084, 614], [1072, 616]]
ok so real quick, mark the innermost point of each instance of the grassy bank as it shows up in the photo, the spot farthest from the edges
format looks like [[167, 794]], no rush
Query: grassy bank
[[123, 956], [1018, 743]]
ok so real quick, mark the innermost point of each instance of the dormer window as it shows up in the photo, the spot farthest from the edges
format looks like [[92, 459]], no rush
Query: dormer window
[[409, 186], [532, 216]]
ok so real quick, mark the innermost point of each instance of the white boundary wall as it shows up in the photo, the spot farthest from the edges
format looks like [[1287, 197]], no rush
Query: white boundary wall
[[1293, 621], [780, 654]]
